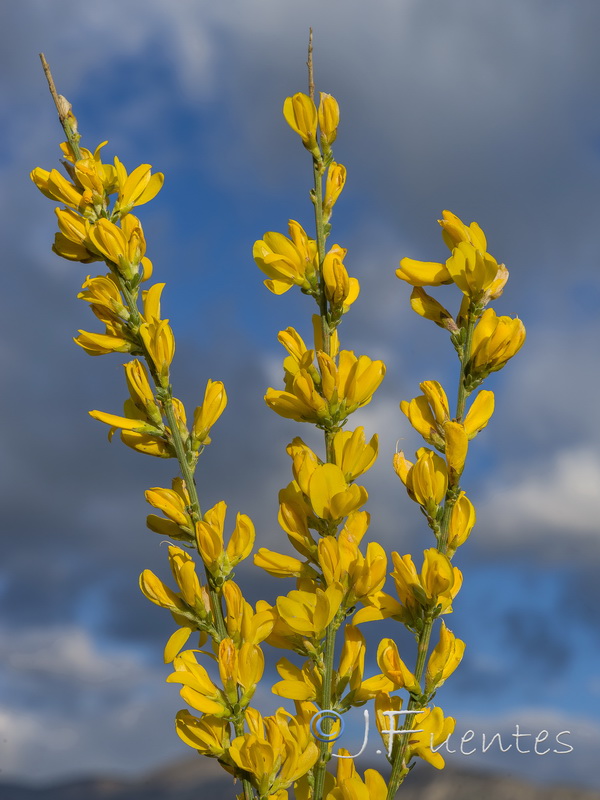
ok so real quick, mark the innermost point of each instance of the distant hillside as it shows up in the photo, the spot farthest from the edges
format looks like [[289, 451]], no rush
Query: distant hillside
[[202, 777]]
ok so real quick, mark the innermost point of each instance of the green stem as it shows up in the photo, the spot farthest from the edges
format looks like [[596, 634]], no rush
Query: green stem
[[321, 237], [398, 766], [466, 355], [187, 472], [320, 768]]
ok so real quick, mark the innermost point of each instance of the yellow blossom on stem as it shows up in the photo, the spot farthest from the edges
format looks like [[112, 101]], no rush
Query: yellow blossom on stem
[[444, 659], [159, 342], [198, 689], [219, 560], [208, 735], [334, 184], [462, 521], [53, 185], [456, 446], [423, 273], [340, 289], [71, 240], [454, 231], [329, 119], [174, 504], [472, 270], [123, 247], [349, 785], [205, 416], [309, 613], [429, 308], [330, 496], [353, 455], [495, 341], [286, 262], [301, 115], [479, 413], [434, 730], [394, 668], [104, 297], [137, 188], [426, 480]]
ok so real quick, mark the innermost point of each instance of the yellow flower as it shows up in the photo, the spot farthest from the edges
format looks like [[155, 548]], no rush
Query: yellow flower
[[53, 185], [174, 504], [348, 784], [434, 730], [208, 735], [219, 560], [444, 659], [302, 403], [309, 613], [159, 341], [454, 231], [205, 416], [472, 270], [286, 262], [98, 344], [198, 689], [428, 413], [426, 306], [394, 669], [140, 391], [191, 602], [340, 289], [297, 684], [137, 188], [479, 413], [242, 622], [330, 496], [358, 379], [123, 247], [423, 273], [104, 297], [437, 584], [241, 667], [301, 115], [329, 119], [71, 240], [352, 454], [462, 521], [426, 480], [456, 445], [495, 340], [334, 184], [278, 564]]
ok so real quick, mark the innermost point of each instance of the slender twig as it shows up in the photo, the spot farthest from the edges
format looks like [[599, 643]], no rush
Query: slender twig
[[309, 64], [63, 107]]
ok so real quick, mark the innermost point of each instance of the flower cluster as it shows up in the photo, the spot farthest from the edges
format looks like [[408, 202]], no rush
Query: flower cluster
[[96, 225], [339, 580], [321, 510]]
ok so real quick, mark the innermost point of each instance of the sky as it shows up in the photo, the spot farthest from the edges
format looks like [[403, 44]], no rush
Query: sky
[[487, 109]]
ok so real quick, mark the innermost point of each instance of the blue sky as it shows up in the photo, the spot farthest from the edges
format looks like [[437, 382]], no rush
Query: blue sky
[[486, 109]]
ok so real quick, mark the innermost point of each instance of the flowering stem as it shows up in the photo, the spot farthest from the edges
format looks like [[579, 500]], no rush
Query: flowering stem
[[399, 768], [330, 633], [166, 398], [238, 724], [67, 120], [464, 360]]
